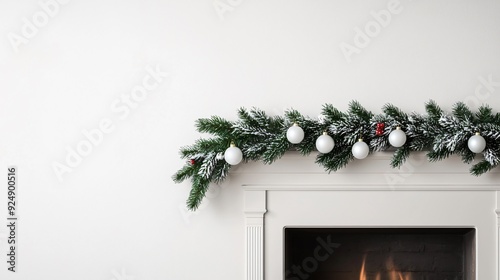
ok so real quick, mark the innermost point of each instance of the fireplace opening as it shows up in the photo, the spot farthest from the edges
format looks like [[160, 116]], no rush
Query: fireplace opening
[[379, 253]]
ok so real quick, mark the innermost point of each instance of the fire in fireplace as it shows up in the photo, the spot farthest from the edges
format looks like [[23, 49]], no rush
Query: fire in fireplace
[[392, 272], [379, 253]]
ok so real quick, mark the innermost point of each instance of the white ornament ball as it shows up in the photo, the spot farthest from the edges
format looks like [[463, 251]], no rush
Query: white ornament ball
[[233, 155], [360, 150], [324, 143], [476, 143], [295, 134], [397, 138]]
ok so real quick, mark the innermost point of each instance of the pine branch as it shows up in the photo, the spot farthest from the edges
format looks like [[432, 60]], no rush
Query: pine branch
[[276, 124], [215, 125], [419, 132], [263, 138], [188, 152], [497, 118], [379, 144], [433, 110], [335, 160], [400, 156], [220, 171], [276, 150], [355, 108], [246, 118], [395, 113], [331, 113], [254, 149], [485, 115], [466, 154], [208, 165], [462, 112], [438, 154], [212, 144], [491, 155], [184, 173], [198, 191], [353, 125], [490, 131], [481, 168], [260, 117], [312, 130], [294, 116], [418, 144]]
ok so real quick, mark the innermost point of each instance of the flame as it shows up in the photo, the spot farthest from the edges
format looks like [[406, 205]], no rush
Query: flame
[[362, 274], [393, 273]]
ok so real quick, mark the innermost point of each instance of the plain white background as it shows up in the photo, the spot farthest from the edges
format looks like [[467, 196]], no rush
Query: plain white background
[[117, 214]]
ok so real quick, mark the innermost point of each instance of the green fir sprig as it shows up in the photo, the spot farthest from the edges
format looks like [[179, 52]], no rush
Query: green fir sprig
[[263, 138]]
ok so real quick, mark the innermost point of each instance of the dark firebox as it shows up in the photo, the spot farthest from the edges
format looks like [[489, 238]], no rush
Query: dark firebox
[[379, 253]]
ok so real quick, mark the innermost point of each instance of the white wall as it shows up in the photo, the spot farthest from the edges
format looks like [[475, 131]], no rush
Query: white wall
[[117, 214]]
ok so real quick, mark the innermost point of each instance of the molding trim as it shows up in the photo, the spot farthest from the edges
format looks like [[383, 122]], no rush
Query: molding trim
[[497, 211], [255, 208], [373, 187]]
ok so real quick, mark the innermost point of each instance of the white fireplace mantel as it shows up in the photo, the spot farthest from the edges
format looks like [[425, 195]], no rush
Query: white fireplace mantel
[[294, 191]]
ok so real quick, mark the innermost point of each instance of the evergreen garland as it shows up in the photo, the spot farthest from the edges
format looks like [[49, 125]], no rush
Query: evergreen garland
[[263, 138]]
